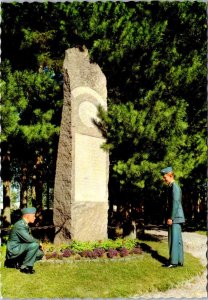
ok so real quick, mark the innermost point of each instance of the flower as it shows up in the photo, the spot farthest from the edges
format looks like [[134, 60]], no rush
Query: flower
[[112, 252], [67, 253], [98, 252], [123, 252], [86, 253]]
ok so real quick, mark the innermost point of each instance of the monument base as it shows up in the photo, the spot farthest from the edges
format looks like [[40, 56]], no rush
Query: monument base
[[88, 223]]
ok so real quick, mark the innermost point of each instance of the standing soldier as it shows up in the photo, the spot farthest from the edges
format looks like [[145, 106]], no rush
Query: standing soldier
[[175, 219], [22, 248]]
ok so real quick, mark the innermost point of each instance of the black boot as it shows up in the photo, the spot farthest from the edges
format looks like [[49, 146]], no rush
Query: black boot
[[12, 263], [27, 270]]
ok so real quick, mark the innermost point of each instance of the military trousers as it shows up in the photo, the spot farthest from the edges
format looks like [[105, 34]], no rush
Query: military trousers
[[28, 253], [175, 243]]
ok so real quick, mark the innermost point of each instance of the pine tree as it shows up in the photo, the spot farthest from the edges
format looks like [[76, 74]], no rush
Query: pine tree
[[31, 109], [154, 57]]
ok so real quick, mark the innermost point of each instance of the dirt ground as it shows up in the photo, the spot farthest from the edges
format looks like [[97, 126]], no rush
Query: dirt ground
[[195, 244]]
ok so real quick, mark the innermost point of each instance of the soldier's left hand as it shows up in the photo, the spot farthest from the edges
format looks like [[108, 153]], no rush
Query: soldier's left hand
[[169, 221]]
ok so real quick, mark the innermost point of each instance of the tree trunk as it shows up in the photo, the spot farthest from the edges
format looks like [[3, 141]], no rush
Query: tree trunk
[[6, 213], [6, 177], [23, 187], [37, 188]]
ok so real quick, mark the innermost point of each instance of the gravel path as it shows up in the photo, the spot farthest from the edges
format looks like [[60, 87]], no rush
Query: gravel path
[[195, 244]]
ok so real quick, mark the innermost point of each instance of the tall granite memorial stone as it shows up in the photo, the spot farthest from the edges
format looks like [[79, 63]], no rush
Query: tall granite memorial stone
[[81, 181]]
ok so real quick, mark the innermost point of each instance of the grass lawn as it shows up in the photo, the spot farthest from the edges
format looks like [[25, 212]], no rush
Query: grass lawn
[[99, 279]]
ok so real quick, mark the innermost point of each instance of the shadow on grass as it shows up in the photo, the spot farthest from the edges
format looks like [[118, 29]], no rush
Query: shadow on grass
[[146, 248]]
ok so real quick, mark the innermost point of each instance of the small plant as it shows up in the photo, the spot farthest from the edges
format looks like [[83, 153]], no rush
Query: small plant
[[67, 253], [111, 244], [123, 252], [106, 249], [98, 252], [54, 254], [87, 253], [136, 250], [112, 253], [81, 246], [129, 243], [49, 255]]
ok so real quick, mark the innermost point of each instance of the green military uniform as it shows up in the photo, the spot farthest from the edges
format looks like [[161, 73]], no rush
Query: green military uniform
[[176, 214], [174, 231], [21, 244]]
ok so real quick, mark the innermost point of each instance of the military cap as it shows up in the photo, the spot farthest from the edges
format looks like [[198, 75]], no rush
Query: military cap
[[28, 210], [166, 170]]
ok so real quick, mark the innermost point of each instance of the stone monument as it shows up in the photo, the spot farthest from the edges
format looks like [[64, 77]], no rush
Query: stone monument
[[81, 181]]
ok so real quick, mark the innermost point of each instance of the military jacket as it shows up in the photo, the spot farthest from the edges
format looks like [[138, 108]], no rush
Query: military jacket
[[19, 235], [175, 204]]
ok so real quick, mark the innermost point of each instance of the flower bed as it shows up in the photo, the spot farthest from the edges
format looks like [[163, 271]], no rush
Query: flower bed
[[93, 250]]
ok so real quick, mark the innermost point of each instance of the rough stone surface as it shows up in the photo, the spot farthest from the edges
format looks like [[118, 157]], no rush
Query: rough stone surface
[[81, 182]]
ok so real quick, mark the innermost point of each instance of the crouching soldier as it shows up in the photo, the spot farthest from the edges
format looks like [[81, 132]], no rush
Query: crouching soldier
[[23, 250]]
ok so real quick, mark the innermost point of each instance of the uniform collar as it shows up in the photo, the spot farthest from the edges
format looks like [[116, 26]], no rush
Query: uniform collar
[[25, 222], [171, 184]]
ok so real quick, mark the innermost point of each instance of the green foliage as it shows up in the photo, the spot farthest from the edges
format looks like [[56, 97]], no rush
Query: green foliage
[[30, 113], [29, 103], [118, 244], [154, 57], [156, 128], [143, 141], [79, 246]]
